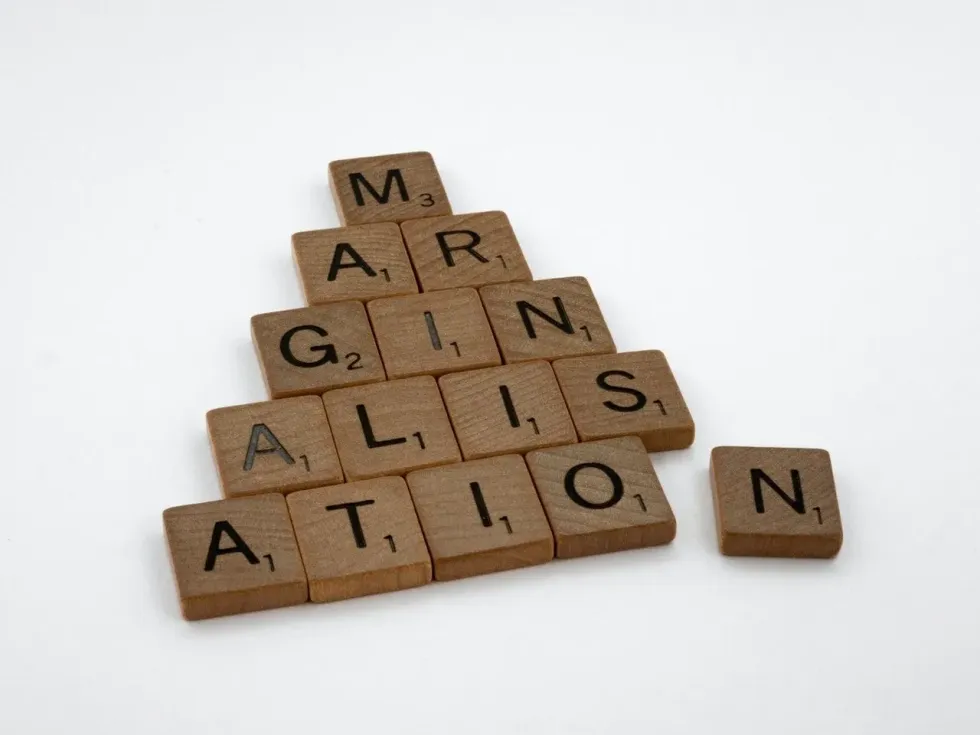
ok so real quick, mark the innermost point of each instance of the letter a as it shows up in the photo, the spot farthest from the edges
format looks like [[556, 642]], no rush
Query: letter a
[[215, 550], [259, 431]]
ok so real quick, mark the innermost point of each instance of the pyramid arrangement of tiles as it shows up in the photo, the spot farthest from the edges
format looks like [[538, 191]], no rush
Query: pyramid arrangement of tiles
[[437, 413]]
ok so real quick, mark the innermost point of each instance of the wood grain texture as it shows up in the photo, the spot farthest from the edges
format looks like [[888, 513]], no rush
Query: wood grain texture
[[273, 446], [496, 525], [464, 250], [546, 320], [506, 410], [433, 333], [626, 394], [234, 556], [400, 426], [602, 496], [359, 263], [312, 350], [775, 502], [359, 539], [391, 188]]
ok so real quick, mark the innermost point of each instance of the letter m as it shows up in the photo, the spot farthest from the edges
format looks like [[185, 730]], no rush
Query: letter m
[[394, 175]]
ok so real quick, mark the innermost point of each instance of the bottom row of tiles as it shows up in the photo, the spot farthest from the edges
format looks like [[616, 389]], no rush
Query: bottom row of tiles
[[448, 522]]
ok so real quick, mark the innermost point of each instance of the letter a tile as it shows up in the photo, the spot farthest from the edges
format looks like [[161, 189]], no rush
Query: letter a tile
[[234, 556], [433, 333], [274, 446], [358, 263], [390, 428], [390, 188], [312, 350], [359, 539], [545, 320], [601, 496], [481, 516], [508, 409], [627, 394], [464, 250], [775, 502]]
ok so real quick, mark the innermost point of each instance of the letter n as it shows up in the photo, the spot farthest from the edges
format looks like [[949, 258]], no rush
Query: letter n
[[796, 502]]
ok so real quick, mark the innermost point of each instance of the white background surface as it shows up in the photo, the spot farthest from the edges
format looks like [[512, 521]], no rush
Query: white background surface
[[781, 196]]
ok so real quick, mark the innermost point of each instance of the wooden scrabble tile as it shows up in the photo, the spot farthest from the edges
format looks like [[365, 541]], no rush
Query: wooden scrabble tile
[[775, 502], [234, 556], [359, 539], [464, 250], [312, 350], [481, 516], [359, 263], [602, 496], [390, 428], [508, 409], [390, 188], [545, 320], [626, 394], [433, 333], [278, 446]]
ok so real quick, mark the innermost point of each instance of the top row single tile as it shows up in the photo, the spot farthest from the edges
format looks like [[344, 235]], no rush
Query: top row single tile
[[391, 188]]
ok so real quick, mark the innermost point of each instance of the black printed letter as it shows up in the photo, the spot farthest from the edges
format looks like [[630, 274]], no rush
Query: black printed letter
[[796, 502], [614, 478], [355, 520], [369, 432], [640, 400], [215, 550], [356, 261], [562, 322], [259, 431], [329, 351], [393, 175], [447, 249]]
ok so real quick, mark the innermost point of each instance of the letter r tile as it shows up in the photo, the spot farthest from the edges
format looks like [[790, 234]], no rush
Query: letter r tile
[[390, 188], [390, 428], [775, 502], [464, 250], [359, 539], [273, 446]]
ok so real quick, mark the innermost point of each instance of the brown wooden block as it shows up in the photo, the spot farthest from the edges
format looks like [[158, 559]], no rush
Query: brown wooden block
[[481, 516], [545, 320], [775, 502], [359, 263], [312, 350], [278, 446], [390, 188], [626, 394], [602, 496], [359, 539], [464, 250], [391, 428], [234, 556], [433, 333], [508, 409]]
